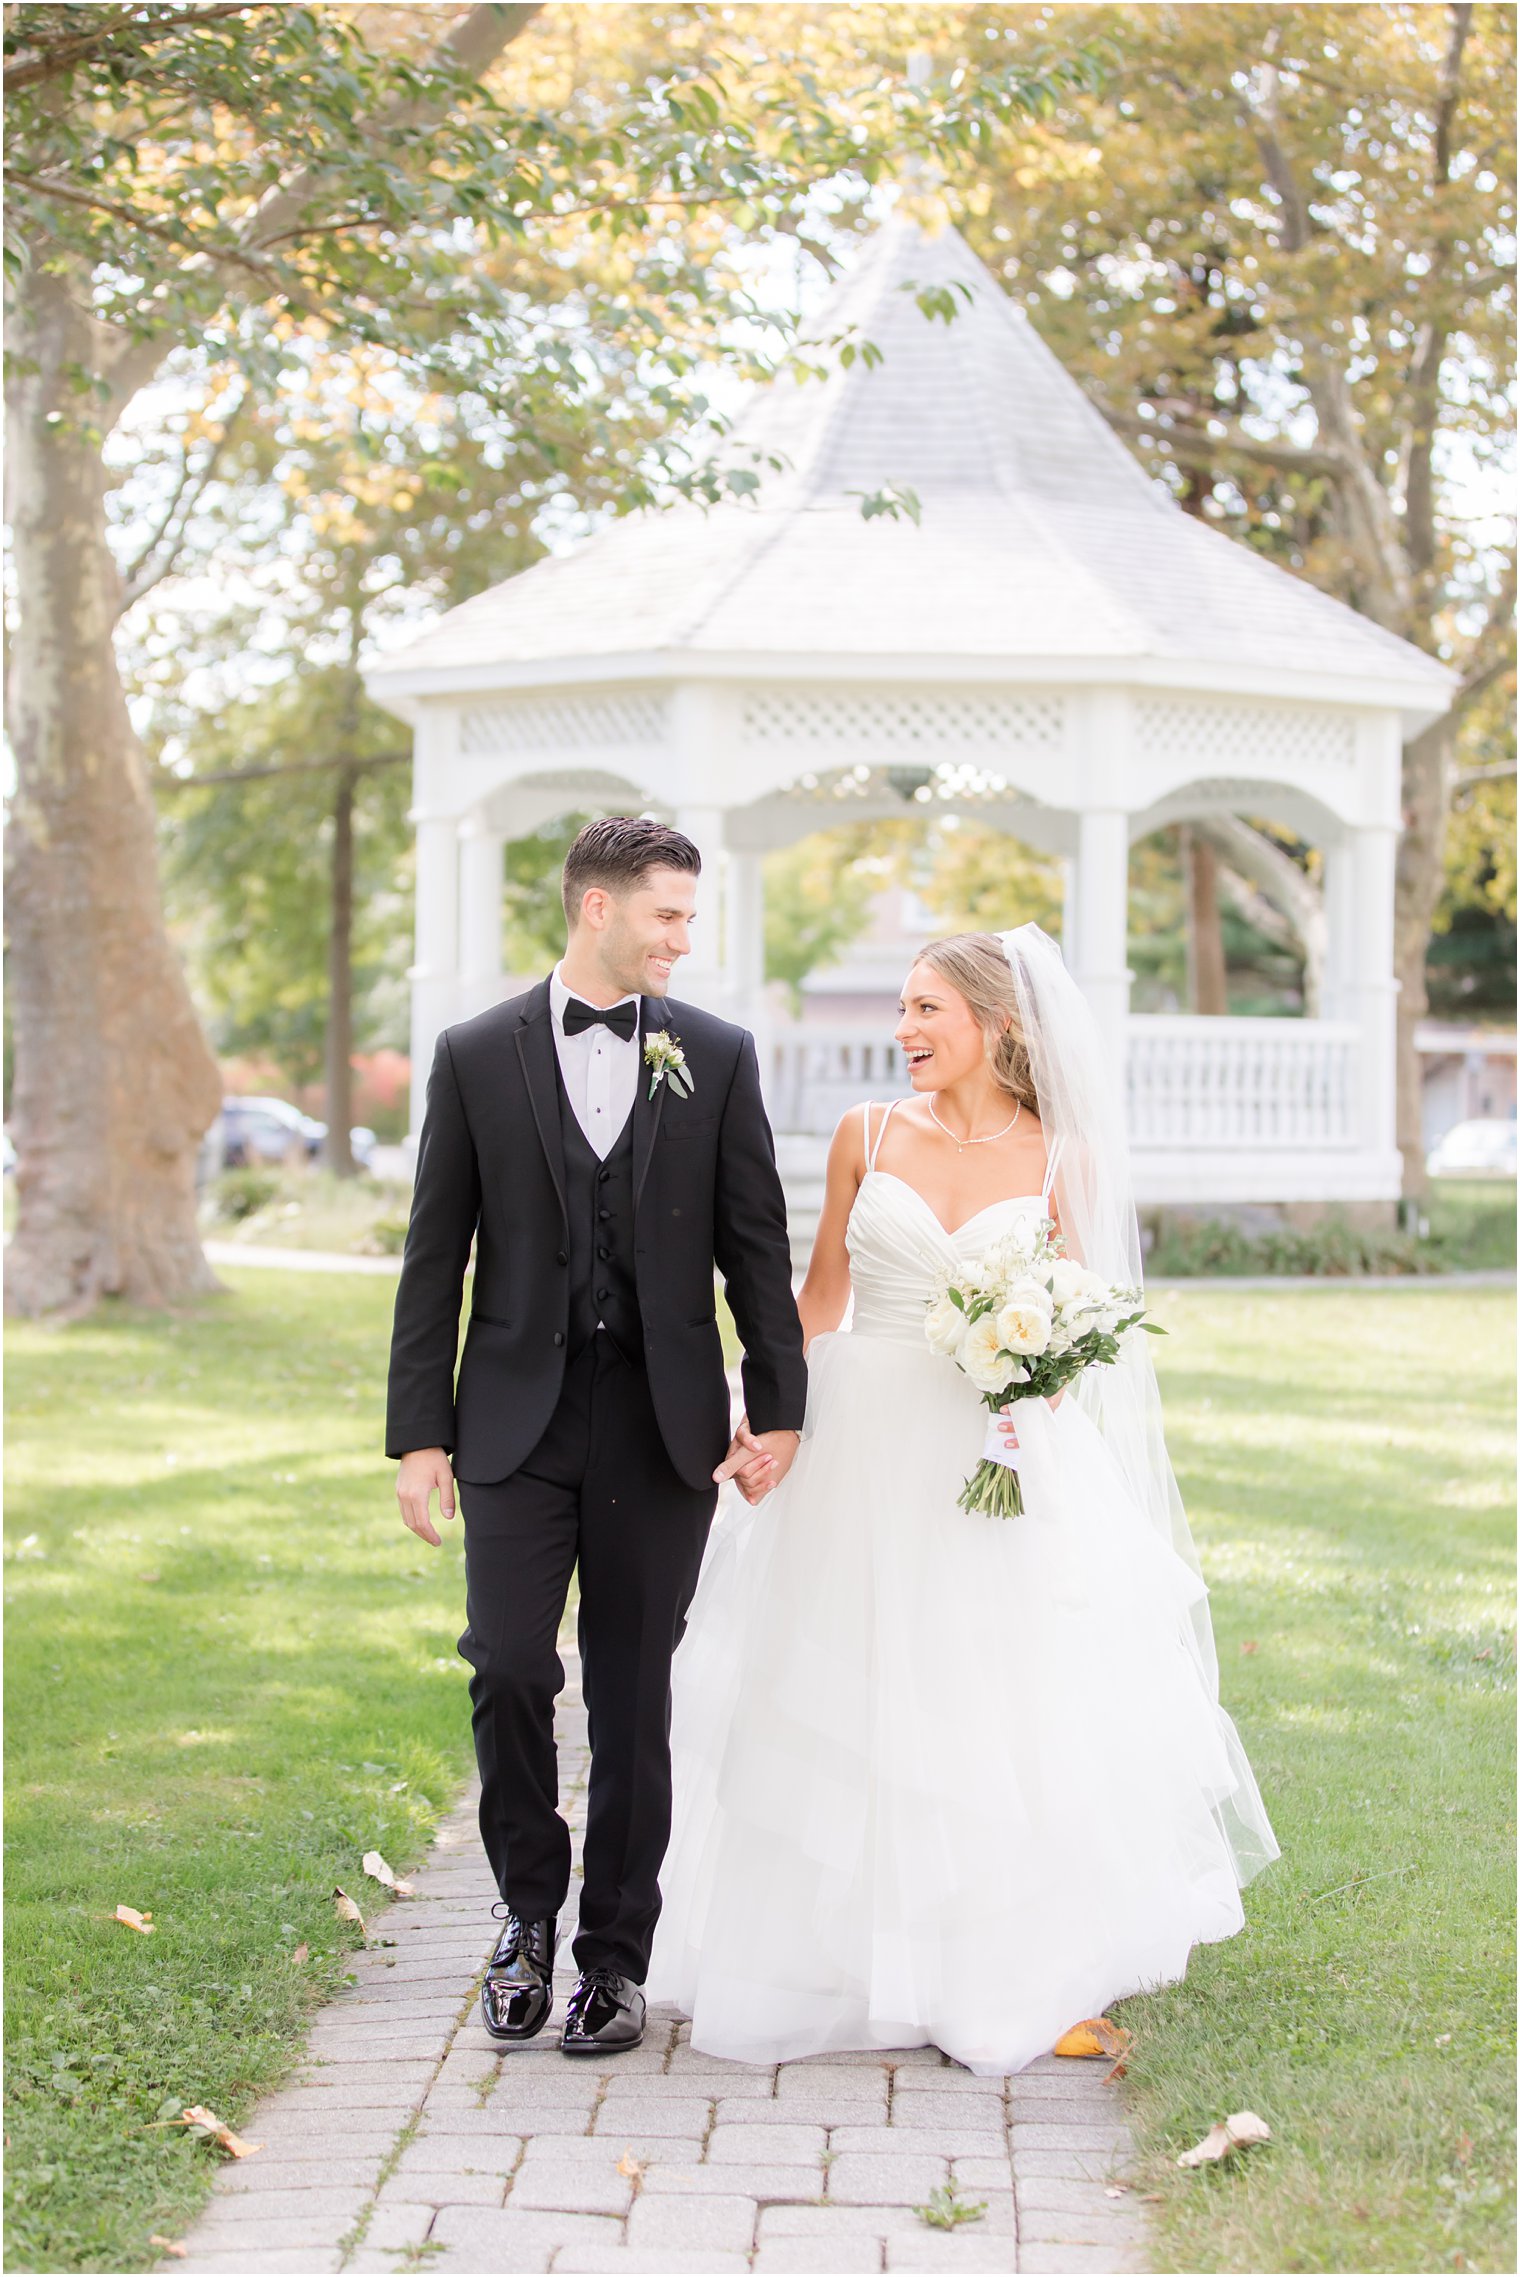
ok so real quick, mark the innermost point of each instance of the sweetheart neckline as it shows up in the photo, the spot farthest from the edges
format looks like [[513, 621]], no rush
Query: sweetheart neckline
[[950, 1232]]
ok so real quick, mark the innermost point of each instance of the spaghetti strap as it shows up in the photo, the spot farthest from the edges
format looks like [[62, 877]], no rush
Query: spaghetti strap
[[873, 1151], [1051, 1159]]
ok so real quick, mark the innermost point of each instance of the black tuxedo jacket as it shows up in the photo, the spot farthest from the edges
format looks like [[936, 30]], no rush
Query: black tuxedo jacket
[[490, 1169]]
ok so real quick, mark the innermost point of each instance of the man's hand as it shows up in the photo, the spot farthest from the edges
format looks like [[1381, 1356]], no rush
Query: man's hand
[[422, 1470], [757, 1461]]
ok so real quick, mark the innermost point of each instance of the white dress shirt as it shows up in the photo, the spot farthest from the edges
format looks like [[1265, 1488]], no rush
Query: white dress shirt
[[600, 1070]]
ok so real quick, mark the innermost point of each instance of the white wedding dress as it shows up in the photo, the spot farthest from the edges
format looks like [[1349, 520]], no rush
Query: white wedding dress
[[939, 1778]]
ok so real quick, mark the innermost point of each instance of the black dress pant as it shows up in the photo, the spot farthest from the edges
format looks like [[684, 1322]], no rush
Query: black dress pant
[[600, 1492]]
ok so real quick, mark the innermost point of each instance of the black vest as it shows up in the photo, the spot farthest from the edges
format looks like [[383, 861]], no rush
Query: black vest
[[599, 1203]]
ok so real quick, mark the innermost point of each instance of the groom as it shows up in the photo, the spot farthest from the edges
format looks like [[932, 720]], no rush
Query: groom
[[603, 1148]]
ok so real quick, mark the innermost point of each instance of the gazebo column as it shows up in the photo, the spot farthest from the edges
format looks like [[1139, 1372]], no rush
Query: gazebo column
[[1371, 993], [744, 941], [480, 878], [1097, 943], [1336, 1002], [700, 976], [435, 971]]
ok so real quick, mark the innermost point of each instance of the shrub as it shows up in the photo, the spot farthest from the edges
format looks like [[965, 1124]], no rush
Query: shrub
[[239, 1194]]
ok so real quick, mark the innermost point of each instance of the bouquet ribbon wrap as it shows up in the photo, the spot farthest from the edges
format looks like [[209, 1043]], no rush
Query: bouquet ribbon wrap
[[997, 1449]]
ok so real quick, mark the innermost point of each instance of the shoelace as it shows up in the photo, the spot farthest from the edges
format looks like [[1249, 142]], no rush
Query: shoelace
[[594, 1980]]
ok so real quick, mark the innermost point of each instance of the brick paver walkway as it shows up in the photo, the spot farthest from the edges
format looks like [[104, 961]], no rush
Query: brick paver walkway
[[410, 2140]]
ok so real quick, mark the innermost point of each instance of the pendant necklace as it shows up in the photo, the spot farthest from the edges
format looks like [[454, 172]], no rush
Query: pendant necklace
[[962, 1144]]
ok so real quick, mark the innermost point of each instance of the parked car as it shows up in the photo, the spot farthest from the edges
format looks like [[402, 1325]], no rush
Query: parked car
[[258, 1129], [1481, 1148]]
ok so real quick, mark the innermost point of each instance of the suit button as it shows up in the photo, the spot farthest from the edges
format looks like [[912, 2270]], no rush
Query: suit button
[[559, 1336], [563, 1257]]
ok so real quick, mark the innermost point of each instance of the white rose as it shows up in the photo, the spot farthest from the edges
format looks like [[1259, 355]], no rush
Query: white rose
[[979, 1354], [945, 1327], [1067, 1280], [1024, 1323]]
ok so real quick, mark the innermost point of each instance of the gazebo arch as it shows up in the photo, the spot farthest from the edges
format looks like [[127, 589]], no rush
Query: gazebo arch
[[1055, 647]]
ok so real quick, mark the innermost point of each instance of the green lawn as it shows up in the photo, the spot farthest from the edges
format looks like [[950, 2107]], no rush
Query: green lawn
[[1346, 1458], [232, 1672]]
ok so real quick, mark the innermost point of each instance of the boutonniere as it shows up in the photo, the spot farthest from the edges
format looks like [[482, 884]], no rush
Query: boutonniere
[[663, 1056]]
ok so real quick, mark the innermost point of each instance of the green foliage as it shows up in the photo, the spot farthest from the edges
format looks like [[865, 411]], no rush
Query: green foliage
[[947, 2209], [1471, 1227], [248, 869], [818, 896], [976, 879], [534, 912], [240, 1194]]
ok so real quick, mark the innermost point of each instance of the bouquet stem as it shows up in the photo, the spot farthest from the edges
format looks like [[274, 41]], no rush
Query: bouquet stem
[[993, 1490]]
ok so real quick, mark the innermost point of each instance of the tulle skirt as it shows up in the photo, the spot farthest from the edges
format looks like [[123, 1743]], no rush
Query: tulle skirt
[[939, 1778]]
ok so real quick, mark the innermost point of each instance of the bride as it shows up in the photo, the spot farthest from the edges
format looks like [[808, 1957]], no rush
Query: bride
[[942, 1778]]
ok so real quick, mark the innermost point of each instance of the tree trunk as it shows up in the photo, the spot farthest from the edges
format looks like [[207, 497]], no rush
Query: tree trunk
[[1419, 876], [1211, 995], [115, 1084], [339, 1151]]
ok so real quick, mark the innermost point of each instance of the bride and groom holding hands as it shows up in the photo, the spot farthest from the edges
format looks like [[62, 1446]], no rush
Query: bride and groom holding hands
[[916, 1775]]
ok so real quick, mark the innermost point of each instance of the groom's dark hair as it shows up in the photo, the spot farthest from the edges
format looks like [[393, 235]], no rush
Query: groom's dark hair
[[617, 853]]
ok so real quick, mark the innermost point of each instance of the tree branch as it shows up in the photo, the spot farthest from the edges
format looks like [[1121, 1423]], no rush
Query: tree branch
[[471, 46], [164, 780], [1264, 865], [51, 62], [1424, 382], [1202, 449], [1502, 771], [156, 558]]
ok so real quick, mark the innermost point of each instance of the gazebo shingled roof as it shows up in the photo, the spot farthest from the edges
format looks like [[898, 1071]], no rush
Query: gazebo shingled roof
[[1041, 536]]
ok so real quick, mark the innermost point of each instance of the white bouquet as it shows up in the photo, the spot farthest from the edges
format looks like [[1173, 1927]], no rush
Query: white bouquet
[[1021, 1323]]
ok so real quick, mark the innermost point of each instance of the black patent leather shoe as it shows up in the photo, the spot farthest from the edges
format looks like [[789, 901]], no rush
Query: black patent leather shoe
[[605, 2015], [518, 1992]]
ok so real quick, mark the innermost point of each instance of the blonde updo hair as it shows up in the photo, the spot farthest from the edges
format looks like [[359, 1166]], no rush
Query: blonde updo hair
[[976, 968]]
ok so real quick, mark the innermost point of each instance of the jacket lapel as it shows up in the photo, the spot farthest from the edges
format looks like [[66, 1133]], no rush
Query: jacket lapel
[[646, 1111], [535, 1050]]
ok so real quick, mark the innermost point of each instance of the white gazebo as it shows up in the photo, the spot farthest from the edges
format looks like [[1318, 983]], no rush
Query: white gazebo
[[1056, 648]]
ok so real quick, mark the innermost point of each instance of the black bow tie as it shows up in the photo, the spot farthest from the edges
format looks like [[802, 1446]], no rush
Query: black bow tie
[[622, 1019]]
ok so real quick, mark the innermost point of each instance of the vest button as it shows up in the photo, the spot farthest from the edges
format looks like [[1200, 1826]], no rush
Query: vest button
[[602, 1295], [559, 1336], [602, 1250], [562, 1257], [602, 1177], [604, 1214]]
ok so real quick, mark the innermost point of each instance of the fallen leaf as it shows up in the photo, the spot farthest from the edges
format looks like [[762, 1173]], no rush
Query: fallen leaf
[[628, 2165], [1115, 2189], [1241, 2129], [206, 2124], [129, 1914], [300, 1954], [167, 2245], [374, 1865], [1250, 1645], [346, 1910], [1464, 2149], [1443, 2039], [1094, 2036], [154, 1577], [1151, 2198]]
